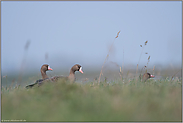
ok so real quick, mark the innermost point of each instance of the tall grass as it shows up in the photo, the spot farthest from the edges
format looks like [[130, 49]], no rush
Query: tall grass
[[107, 56], [23, 62], [107, 101], [140, 58]]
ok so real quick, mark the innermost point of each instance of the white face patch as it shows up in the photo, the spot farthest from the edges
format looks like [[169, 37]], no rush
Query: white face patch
[[152, 76], [49, 68], [80, 70]]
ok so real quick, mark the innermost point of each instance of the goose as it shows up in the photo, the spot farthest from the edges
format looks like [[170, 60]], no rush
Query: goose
[[147, 76], [71, 76], [43, 70]]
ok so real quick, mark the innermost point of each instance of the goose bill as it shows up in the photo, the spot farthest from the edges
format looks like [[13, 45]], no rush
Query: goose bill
[[152, 76], [49, 68], [80, 70]]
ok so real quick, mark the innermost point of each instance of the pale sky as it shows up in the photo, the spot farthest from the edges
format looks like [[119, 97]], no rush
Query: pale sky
[[82, 32]]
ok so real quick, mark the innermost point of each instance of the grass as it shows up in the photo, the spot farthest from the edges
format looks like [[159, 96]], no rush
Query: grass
[[107, 56], [109, 101]]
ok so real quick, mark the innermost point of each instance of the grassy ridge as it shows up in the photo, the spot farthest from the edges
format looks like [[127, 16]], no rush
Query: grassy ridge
[[114, 101]]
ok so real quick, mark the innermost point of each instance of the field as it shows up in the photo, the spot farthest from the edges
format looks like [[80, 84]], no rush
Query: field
[[120, 96], [115, 100]]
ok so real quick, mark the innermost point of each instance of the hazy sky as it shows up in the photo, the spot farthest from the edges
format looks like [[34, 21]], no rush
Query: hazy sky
[[82, 32]]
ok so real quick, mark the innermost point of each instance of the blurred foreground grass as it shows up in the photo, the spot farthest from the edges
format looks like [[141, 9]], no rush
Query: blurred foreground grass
[[114, 101]]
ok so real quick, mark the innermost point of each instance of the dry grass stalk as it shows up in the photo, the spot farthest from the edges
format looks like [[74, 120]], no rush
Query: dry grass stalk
[[107, 57], [137, 72], [117, 34], [147, 63], [123, 62], [175, 74], [140, 58], [145, 67], [23, 62], [120, 73], [153, 69]]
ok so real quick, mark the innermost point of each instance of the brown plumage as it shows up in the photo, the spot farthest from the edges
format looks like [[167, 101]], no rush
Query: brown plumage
[[147, 76], [71, 76], [43, 70]]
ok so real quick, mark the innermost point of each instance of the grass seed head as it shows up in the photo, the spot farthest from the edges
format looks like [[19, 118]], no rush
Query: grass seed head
[[117, 34], [153, 68], [146, 42], [148, 57]]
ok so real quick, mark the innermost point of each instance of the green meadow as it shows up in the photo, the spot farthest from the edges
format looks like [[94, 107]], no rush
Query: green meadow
[[119, 100]]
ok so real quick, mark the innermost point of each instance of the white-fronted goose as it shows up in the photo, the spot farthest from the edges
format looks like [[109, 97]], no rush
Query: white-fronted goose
[[43, 70], [147, 76], [71, 76]]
